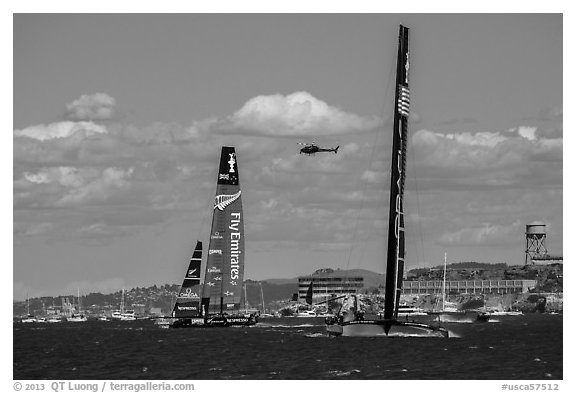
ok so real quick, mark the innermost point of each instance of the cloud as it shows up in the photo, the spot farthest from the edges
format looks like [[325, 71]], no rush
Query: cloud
[[99, 106], [488, 234], [164, 169], [98, 189], [296, 114], [488, 153], [64, 129]]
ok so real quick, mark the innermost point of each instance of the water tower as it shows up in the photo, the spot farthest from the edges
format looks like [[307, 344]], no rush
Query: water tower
[[535, 241]]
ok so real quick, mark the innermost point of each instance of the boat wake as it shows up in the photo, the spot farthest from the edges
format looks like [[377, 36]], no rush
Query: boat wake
[[342, 373], [267, 325], [315, 335], [455, 320], [426, 335]]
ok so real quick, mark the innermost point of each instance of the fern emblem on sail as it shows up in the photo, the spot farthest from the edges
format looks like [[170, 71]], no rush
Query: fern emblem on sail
[[221, 201]]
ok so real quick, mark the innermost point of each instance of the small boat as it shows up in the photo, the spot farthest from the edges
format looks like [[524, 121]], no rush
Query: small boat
[[128, 315], [80, 317], [306, 314], [29, 319], [54, 319], [120, 315], [507, 313], [450, 312], [77, 318]]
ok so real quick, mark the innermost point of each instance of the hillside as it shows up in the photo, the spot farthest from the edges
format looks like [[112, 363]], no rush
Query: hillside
[[549, 279]]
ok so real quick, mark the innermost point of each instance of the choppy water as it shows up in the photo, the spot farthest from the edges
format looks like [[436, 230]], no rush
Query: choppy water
[[522, 347]]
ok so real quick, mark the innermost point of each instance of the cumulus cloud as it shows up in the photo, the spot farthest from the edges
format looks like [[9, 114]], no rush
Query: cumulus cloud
[[165, 167], [481, 150], [65, 176], [99, 106], [488, 234], [64, 129], [296, 114], [99, 189]]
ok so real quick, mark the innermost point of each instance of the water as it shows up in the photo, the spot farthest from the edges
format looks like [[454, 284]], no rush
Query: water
[[508, 347]]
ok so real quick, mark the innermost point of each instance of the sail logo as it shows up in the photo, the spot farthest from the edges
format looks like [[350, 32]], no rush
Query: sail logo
[[224, 176], [218, 278], [210, 284], [189, 294], [188, 308], [407, 67], [228, 293], [221, 201], [213, 270], [216, 235], [235, 251], [210, 252], [233, 282], [232, 161]]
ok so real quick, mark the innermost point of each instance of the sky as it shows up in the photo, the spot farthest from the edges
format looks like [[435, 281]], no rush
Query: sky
[[118, 121]]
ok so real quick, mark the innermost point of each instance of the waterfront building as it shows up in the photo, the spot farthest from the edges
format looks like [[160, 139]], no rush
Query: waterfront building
[[468, 286], [328, 283]]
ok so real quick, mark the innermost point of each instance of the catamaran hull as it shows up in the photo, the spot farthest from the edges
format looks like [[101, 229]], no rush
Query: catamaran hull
[[374, 328], [215, 321]]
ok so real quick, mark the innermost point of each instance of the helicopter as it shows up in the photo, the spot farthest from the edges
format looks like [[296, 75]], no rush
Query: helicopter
[[312, 148]]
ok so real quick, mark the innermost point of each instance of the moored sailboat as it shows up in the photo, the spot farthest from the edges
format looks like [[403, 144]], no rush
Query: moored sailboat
[[451, 313], [28, 318], [352, 321], [79, 317]]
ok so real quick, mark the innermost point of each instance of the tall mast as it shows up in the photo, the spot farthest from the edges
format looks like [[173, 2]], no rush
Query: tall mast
[[395, 256], [262, 296], [245, 296], [444, 285]]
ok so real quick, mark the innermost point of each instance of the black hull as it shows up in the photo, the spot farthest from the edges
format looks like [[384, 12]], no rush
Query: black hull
[[215, 321], [382, 327]]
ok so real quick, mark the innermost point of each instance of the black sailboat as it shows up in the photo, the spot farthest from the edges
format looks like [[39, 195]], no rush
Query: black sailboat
[[187, 306], [353, 322], [218, 301]]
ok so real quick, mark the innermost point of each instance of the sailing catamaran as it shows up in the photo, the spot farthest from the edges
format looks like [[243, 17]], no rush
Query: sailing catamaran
[[352, 322], [218, 301]]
